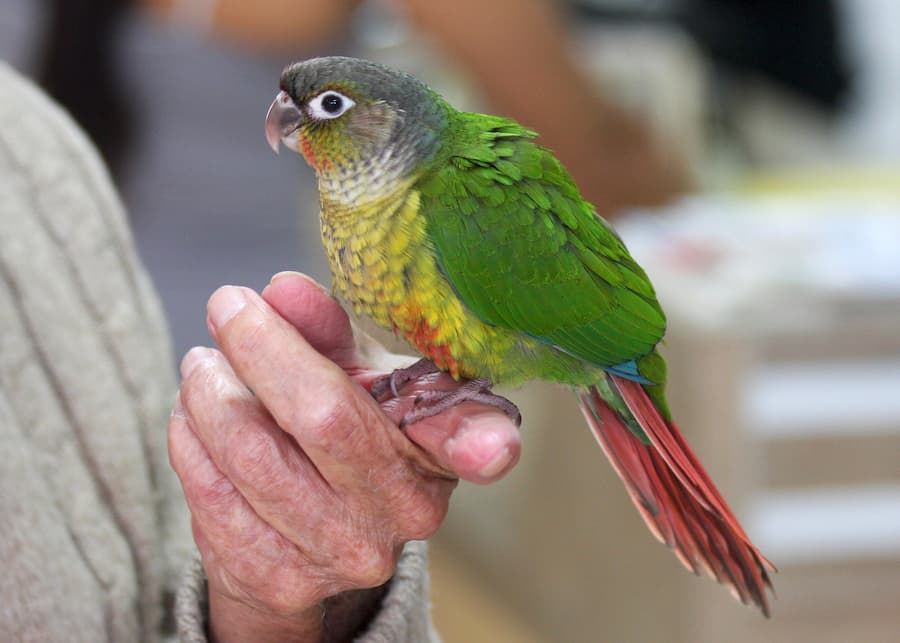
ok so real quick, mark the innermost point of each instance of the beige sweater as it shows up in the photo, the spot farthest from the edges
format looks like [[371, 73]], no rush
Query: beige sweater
[[94, 534]]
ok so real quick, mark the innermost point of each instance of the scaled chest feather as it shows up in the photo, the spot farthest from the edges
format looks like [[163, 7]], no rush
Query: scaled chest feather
[[382, 264]]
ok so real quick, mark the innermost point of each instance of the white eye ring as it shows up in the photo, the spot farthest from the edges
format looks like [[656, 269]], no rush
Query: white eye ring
[[329, 104]]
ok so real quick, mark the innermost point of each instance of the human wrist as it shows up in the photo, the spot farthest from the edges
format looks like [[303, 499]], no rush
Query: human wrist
[[233, 621], [338, 618]]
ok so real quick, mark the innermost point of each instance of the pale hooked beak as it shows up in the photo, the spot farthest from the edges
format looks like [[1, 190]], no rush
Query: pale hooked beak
[[282, 120]]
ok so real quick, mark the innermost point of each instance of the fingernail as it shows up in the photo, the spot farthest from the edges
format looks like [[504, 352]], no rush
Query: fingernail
[[285, 273], [497, 465], [194, 358], [298, 275], [224, 304]]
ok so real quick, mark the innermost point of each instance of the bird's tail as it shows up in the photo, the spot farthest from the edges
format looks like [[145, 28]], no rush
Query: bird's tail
[[672, 491]]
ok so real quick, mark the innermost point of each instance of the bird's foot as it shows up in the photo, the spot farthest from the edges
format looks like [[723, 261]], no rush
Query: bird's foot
[[430, 403], [395, 381]]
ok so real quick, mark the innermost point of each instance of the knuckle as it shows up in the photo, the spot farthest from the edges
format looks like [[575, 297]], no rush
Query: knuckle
[[373, 565], [251, 455], [282, 603], [211, 493], [424, 520], [328, 421], [417, 508]]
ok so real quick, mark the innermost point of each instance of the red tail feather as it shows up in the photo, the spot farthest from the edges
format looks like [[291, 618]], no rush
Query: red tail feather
[[675, 496]]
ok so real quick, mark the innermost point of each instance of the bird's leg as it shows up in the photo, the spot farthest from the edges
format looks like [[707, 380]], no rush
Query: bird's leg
[[430, 403], [395, 381]]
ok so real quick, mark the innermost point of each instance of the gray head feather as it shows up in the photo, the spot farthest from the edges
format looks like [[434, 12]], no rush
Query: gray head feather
[[422, 112]]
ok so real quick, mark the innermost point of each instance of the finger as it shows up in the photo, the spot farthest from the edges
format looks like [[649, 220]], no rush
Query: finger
[[348, 538], [232, 539], [213, 500], [309, 308], [473, 441], [335, 422], [476, 444], [248, 448], [371, 465]]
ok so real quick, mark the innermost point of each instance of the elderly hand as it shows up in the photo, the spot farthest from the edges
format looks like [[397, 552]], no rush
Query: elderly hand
[[300, 486]]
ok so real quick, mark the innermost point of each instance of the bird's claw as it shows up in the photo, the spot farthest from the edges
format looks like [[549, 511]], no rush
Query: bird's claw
[[393, 382], [430, 403]]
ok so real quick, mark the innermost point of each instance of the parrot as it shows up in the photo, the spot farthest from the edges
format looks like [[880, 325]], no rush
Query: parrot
[[461, 234]]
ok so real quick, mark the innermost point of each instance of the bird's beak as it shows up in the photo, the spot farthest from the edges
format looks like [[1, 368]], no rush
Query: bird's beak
[[282, 120]]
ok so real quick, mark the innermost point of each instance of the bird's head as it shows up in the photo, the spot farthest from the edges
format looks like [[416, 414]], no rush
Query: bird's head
[[345, 114]]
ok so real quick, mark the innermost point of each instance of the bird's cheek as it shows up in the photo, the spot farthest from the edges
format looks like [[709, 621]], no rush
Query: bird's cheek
[[301, 143]]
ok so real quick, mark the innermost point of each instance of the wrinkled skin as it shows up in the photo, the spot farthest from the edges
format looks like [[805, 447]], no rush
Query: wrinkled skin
[[305, 488]]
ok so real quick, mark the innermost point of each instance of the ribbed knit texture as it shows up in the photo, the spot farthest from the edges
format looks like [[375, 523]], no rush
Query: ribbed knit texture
[[85, 378]]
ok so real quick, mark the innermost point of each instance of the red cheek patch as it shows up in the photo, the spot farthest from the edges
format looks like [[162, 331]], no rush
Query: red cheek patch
[[306, 148], [310, 156]]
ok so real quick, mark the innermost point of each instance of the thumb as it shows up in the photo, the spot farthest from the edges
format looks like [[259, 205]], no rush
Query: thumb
[[306, 305]]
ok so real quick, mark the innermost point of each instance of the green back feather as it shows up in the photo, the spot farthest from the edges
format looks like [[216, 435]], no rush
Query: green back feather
[[524, 251]]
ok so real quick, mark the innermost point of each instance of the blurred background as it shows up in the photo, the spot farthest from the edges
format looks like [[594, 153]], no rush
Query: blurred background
[[749, 154]]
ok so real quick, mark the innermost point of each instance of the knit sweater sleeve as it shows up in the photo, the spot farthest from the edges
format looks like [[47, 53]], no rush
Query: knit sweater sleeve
[[403, 616], [93, 525]]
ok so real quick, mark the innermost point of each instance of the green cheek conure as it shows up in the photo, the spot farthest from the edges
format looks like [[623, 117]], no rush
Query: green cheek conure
[[460, 233]]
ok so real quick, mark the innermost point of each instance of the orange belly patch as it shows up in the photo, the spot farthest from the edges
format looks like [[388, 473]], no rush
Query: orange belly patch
[[426, 339]]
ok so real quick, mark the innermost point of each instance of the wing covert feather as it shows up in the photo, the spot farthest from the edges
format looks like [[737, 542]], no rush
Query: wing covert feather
[[524, 251]]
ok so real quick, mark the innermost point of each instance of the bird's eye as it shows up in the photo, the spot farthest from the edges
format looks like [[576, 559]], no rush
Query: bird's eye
[[329, 104]]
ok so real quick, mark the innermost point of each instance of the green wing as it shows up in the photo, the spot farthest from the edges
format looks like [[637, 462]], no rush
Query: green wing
[[524, 251]]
